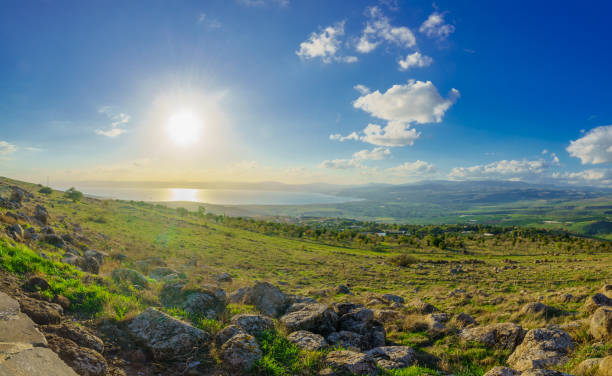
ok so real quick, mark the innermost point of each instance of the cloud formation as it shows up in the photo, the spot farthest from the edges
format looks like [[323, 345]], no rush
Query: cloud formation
[[325, 45], [118, 120], [601, 177], [416, 168], [338, 137], [595, 147], [375, 154], [413, 102], [504, 169], [435, 27], [378, 29], [7, 148], [394, 134], [208, 22], [414, 60]]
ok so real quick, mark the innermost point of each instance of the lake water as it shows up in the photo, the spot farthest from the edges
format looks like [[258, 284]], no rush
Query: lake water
[[215, 196]]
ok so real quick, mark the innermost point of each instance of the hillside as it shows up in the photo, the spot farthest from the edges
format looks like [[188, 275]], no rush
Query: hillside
[[442, 295]]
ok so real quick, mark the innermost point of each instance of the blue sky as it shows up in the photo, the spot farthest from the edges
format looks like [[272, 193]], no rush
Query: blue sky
[[306, 91]]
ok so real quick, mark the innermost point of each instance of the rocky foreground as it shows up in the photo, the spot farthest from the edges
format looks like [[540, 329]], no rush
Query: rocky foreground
[[39, 336]]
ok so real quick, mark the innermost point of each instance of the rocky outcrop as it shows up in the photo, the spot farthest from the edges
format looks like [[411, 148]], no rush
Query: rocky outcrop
[[206, 300], [85, 361], [240, 352], [166, 337], [600, 326], [502, 371], [541, 348], [77, 333], [41, 312], [346, 362], [393, 357], [226, 333], [504, 336], [267, 298], [596, 301], [313, 317], [253, 324], [307, 341]]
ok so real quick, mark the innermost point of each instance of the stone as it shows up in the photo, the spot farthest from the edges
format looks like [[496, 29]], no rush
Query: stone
[[17, 327], [36, 283], [356, 320], [347, 340], [586, 367], [464, 320], [37, 361], [343, 289], [541, 348], [83, 360], [166, 337], [131, 276], [253, 324], [207, 303], [386, 315], [16, 231], [223, 277], [147, 264], [393, 298], [63, 301], [53, 239], [90, 264], [422, 307], [345, 307], [435, 322], [537, 309], [307, 341], [240, 352], [313, 317], [72, 259], [41, 312], [160, 272], [267, 298], [351, 363], [97, 255], [505, 336], [78, 334], [393, 357], [600, 326], [502, 371], [605, 367], [41, 215], [596, 301], [226, 333]]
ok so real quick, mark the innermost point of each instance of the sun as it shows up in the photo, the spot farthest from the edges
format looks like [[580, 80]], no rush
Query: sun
[[184, 128]]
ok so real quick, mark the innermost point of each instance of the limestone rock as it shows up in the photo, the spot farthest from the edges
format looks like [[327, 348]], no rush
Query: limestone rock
[[85, 361], [351, 363], [253, 324], [502, 371], [596, 301], [393, 357], [307, 341], [601, 324], [240, 352], [267, 298], [541, 348], [502, 335], [313, 317]]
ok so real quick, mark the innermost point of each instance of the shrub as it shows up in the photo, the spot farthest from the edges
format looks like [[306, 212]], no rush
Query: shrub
[[45, 190], [403, 260], [73, 194]]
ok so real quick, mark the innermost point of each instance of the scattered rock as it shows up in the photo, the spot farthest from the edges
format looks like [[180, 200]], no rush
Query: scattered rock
[[313, 317], [393, 357], [167, 337], [226, 333], [54, 239], [307, 341], [502, 335], [160, 272], [463, 320], [15, 326], [63, 301], [85, 361], [41, 214], [253, 324], [41, 312], [537, 309], [386, 315], [223, 277], [210, 303], [541, 348], [351, 363], [502, 371], [97, 255], [16, 231], [36, 283], [131, 276], [267, 298], [89, 264], [147, 264], [393, 298], [347, 340], [596, 301], [422, 307], [37, 361], [342, 289], [240, 352], [601, 324], [586, 367], [78, 334]]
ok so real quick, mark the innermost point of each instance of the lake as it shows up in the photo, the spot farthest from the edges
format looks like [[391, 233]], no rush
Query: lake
[[215, 196]]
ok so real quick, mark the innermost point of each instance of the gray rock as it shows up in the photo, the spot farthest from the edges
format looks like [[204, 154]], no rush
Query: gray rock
[[210, 303], [15, 326], [130, 276], [343, 289], [78, 334], [37, 361], [351, 363], [224, 277], [464, 320], [541, 348], [393, 357], [307, 341], [83, 360], [502, 335], [596, 301], [16, 231], [267, 298], [98, 255], [586, 367], [253, 324], [347, 340], [226, 333], [537, 309], [393, 298], [240, 352], [422, 307], [600, 326], [313, 317], [502, 371], [167, 337], [41, 214]]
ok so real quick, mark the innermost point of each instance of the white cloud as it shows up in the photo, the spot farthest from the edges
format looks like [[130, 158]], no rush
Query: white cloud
[[394, 134], [378, 30], [118, 120], [325, 45], [7, 148], [435, 27], [601, 177], [414, 60], [504, 169], [210, 23], [363, 90], [555, 159], [415, 168], [260, 3], [375, 154], [340, 164], [594, 147], [414, 102], [338, 137], [545, 151]]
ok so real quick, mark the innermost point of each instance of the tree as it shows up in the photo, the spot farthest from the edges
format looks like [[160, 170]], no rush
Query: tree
[[45, 190], [73, 194]]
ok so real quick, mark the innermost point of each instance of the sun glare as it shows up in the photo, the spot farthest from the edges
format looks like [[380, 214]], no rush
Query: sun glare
[[184, 128]]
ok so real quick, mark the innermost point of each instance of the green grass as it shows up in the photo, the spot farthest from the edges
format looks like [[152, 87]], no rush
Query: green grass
[[283, 358]]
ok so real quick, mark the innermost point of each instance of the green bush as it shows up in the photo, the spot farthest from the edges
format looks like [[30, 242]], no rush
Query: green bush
[[73, 194], [403, 260], [45, 190]]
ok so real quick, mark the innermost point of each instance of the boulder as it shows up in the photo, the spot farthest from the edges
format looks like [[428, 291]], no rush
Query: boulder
[[97, 255], [435, 322], [356, 320], [130, 276], [41, 312], [41, 215], [345, 307], [210, 303], [307, 341], [313, 317], [16, 231], [542, 348], [78, 334], [224, 277], [85, 361], [37, 361], [600, 326], [17, 327], [393, 357], [605, 366], [422, 307], [160, 272], [393, 298], [504, 336], [347, 340], [36, 283], [502, 371], [167, 337], [386, 315], [464, 320], [253, 324], [596, 301], [90, 264], [351, 363], [240, 352], [53, 239], [267, 298], [587, 366], [537, 309], [226, 333]]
